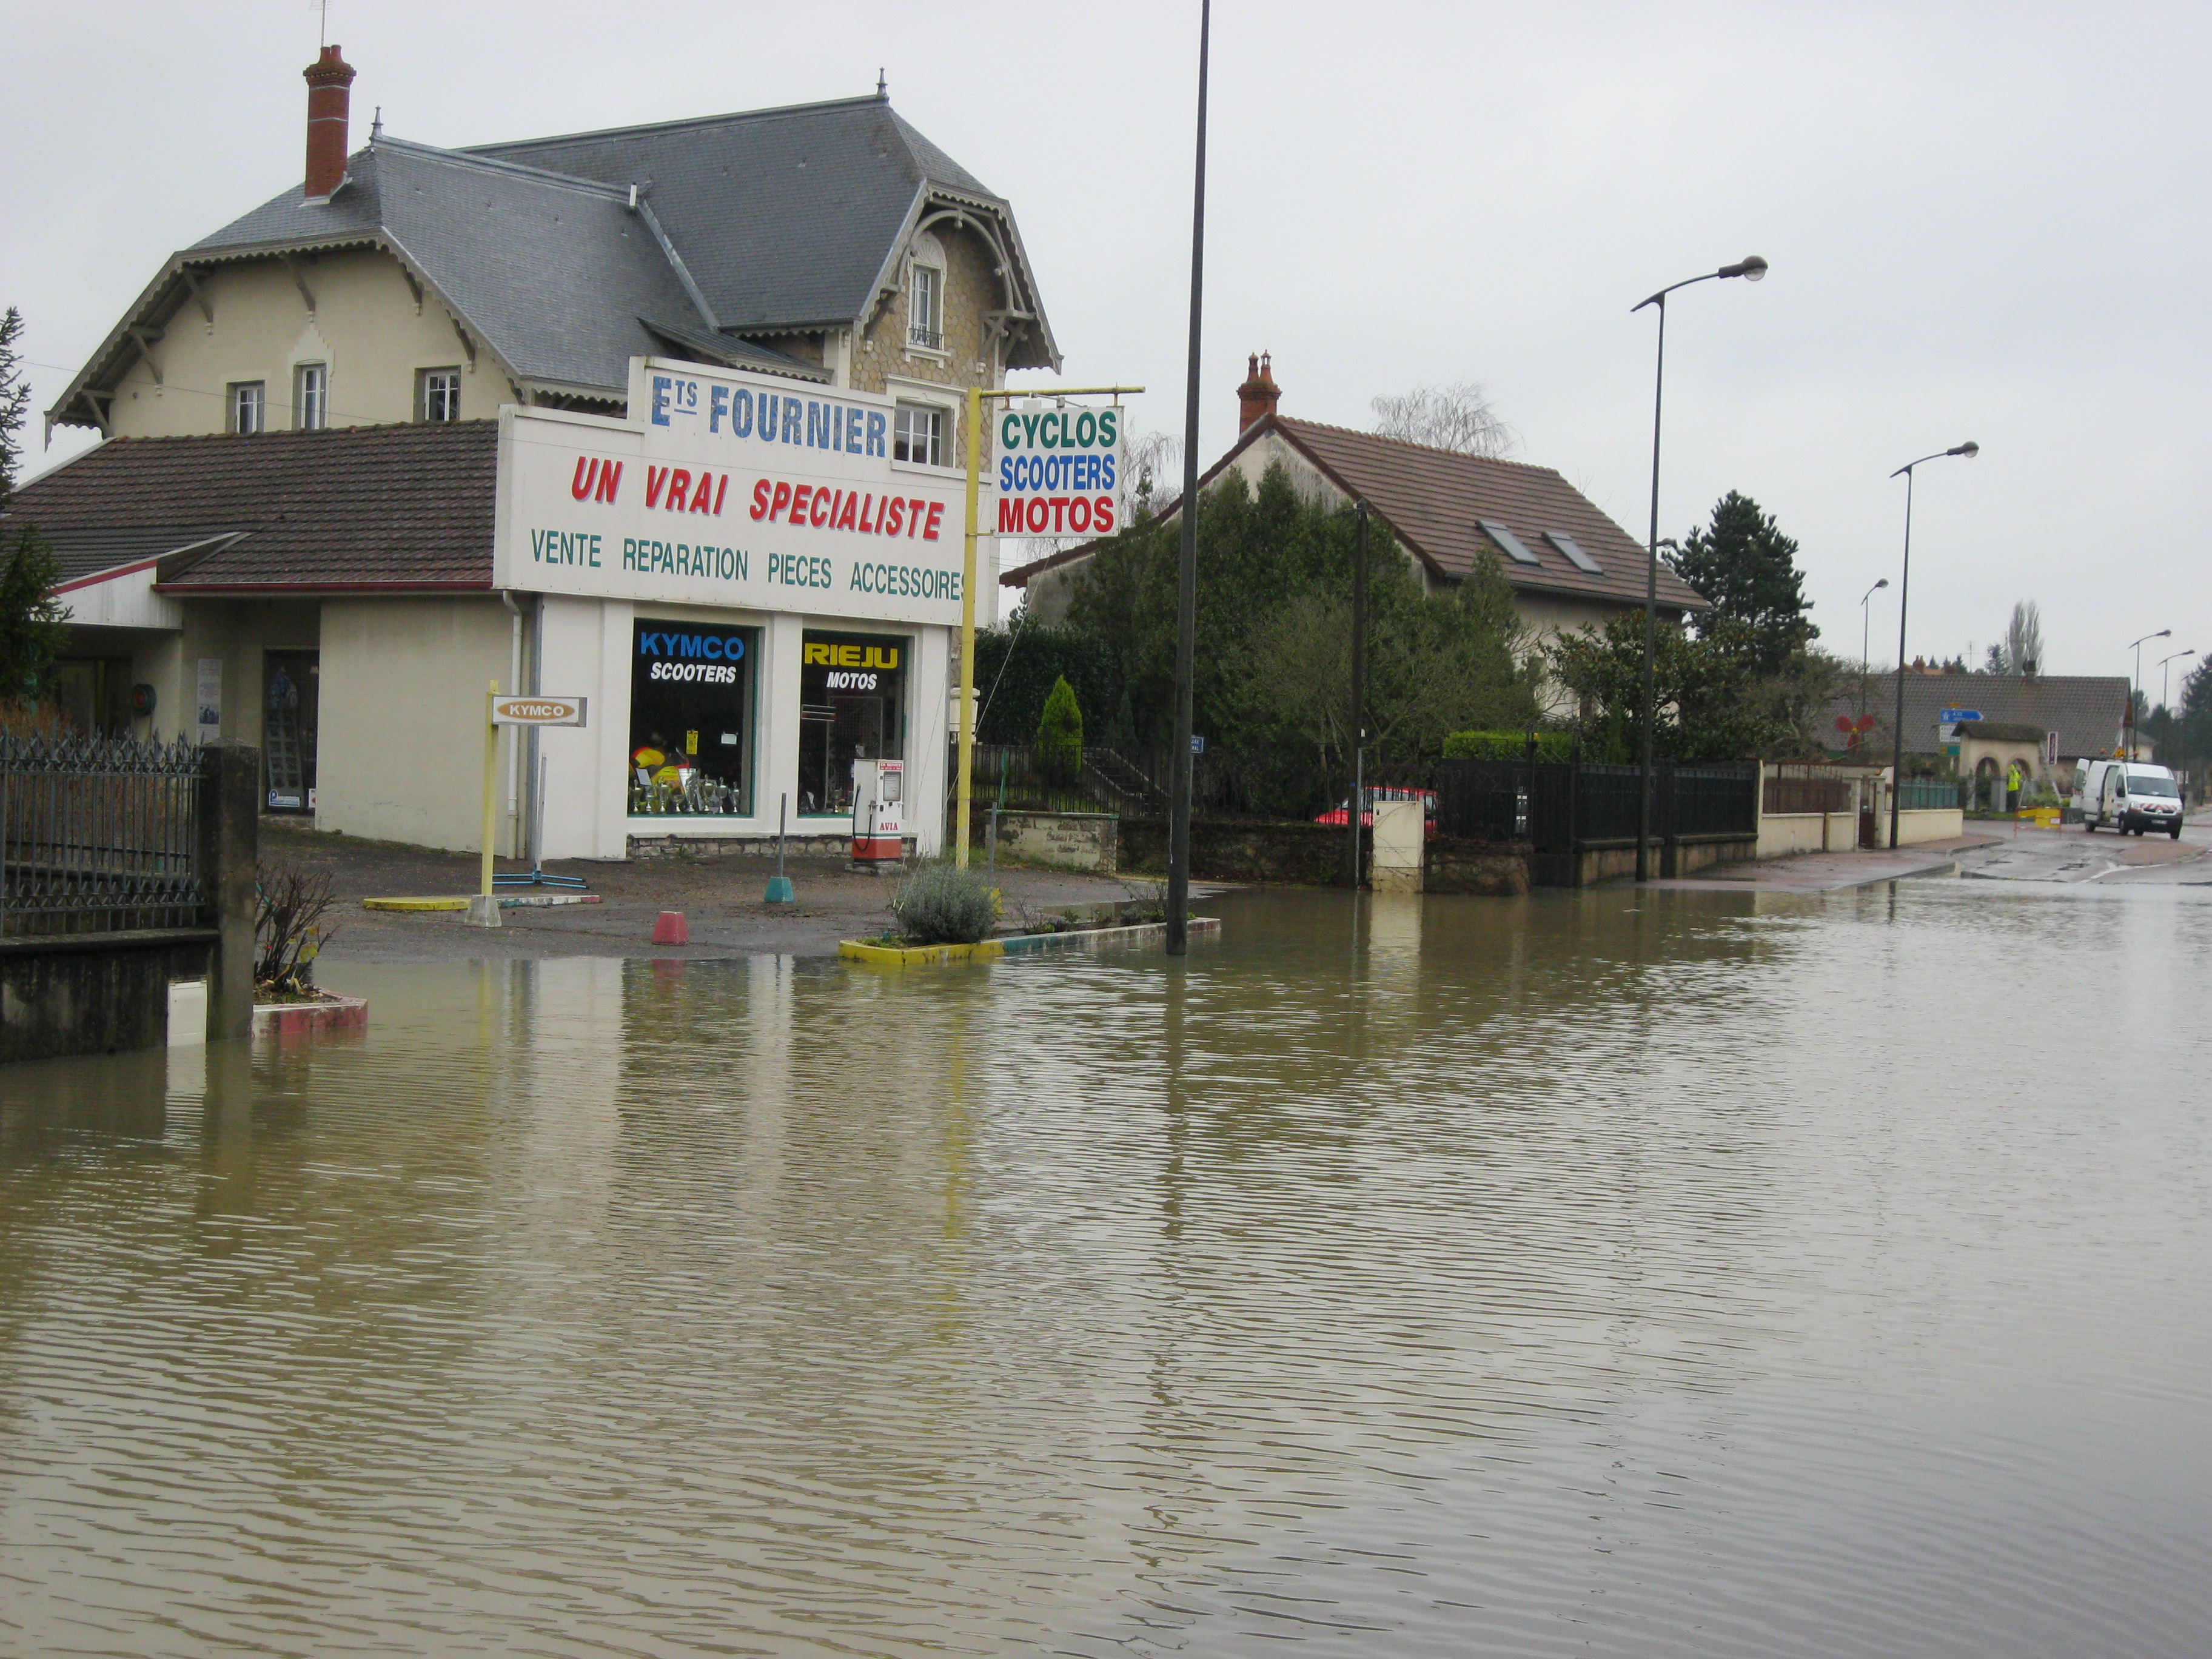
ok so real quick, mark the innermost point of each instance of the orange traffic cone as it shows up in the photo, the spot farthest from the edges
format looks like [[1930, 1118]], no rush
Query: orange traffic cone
[[671, 929]]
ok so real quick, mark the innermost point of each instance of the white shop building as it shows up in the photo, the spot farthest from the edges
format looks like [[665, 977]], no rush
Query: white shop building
[[743, 578]]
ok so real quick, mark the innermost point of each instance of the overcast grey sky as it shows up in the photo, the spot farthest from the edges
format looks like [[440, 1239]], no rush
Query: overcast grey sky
[[1986, 221]]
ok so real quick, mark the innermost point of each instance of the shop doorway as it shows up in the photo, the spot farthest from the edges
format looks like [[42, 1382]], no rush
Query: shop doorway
[[291, 683], [692, 719], [852, 695]]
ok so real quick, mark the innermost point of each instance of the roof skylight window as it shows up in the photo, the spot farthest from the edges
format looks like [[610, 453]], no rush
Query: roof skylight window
[[1575, 556], [1515, 550]]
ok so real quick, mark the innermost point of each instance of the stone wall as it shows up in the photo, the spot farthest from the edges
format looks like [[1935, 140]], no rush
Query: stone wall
[[1063, 841], [92, 993], [1295, 854], [1478, 866]]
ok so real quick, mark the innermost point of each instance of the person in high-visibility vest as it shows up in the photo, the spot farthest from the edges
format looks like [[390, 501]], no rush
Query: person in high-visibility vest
[[2015, 775]]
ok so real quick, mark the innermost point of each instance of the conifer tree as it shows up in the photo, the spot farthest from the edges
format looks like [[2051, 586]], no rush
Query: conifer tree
[[1747, 568], [1059, 733], [31, 625]]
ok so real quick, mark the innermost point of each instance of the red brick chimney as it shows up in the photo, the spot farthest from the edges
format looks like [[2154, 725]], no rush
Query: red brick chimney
[[330, 105], [1259, 394]]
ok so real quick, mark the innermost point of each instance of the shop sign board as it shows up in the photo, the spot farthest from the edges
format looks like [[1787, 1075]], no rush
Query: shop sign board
[[729, 490], [1060, 469], [536, 709]]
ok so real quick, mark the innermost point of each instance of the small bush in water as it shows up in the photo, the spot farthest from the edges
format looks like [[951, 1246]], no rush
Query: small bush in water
[[944, 905]]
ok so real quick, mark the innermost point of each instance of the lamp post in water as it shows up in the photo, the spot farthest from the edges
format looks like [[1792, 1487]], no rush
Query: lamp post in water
[[1970, 449], [1179, 779], [1751, 270]]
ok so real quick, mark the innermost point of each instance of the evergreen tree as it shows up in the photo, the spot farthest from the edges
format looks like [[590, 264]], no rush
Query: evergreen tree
[[1747, 568], [1060, 734], [31, 625]]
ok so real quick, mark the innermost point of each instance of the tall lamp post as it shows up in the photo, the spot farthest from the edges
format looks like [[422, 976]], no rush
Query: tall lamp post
[[1179, 777], [1866, 636], [1751, 268], [1969, 449], [2135, 685], [2166, 681]]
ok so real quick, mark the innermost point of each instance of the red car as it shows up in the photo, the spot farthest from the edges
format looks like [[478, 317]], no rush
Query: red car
[[1427, 797]]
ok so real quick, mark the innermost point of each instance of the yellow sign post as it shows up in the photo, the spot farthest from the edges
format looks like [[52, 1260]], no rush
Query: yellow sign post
[[491, 788], [964, 794]]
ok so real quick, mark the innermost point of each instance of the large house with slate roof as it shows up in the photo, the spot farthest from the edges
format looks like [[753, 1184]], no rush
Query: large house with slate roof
[[334, 499]]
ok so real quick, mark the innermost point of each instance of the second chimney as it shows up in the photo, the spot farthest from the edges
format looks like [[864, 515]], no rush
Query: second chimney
[[329, 108], [1259, 394]]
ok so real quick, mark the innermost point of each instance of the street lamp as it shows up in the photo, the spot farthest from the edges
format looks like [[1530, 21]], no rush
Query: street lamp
[[1866, 623], [1752, 269], [1904, 593], [2135, 685], [2166, 681]]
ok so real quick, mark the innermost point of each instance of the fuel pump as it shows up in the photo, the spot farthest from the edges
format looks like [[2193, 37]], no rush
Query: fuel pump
[[878, 786]]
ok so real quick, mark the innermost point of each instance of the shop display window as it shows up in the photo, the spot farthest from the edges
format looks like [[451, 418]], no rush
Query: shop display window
[[291, 700], [691, 698], [852, 695]]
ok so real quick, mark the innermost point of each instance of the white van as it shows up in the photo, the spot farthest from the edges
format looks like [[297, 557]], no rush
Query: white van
[[2128, 795]]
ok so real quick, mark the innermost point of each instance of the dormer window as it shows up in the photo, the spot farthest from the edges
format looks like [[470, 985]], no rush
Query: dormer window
[[925, 310]]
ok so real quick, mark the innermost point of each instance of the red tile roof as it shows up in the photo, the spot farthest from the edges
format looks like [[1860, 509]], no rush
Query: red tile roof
[[1436, 501], [349, 509]]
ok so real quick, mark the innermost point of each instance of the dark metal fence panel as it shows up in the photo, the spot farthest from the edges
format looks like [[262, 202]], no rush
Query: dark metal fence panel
[[1605, 803], [1799, 787], [1483, 800], [97, 835], [1920, 794], [1552, 820], [1712, 800]]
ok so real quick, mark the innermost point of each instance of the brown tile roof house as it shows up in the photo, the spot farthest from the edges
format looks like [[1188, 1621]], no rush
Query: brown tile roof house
[[353, 509], [1448, 510]]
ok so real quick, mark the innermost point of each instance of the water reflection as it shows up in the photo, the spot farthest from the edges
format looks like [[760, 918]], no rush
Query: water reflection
[[1659, 1274]]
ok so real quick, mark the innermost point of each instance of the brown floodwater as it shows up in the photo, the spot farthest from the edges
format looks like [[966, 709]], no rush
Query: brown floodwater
[[1673, 1274]]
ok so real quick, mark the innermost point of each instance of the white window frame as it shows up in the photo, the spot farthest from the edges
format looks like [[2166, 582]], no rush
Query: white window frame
[[940, 436], [425, 381], [925, 322], [311, 397], [249, 406]]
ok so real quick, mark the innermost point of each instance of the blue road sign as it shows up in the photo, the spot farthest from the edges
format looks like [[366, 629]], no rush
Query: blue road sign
[[1952, 716]]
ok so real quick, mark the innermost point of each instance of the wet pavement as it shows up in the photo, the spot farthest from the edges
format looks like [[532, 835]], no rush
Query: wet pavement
[[1628, 1273]]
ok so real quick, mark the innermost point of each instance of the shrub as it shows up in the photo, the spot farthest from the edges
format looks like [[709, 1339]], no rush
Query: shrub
[[1060, 734], [289, 930], [944, 905], [1508, 746]]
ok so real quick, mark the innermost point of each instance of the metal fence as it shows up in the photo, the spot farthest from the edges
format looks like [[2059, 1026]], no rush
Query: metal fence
[[97, 835], [1919, 794], [1804, 787], [1561, 805]]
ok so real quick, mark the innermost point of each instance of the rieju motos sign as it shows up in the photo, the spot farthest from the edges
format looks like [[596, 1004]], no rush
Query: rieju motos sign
[[1059, 471], [741, 491]]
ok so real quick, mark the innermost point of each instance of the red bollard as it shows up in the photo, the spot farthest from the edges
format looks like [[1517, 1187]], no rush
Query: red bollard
[[671, 929]]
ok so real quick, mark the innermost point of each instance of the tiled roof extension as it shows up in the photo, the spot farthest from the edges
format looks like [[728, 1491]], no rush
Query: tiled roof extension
[[354, 508]]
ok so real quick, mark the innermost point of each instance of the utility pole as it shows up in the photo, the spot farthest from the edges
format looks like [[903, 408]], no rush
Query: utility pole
[[1358, 687], [1179, 762]]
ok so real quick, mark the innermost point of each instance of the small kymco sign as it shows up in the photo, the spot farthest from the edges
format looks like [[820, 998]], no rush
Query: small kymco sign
[[538, 710]]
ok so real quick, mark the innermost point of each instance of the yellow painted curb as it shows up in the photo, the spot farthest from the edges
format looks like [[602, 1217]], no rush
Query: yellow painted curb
[[414, 904], [918, 956]]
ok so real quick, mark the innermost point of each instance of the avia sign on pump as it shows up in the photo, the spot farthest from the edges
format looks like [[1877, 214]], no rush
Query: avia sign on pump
[[1059, 471]]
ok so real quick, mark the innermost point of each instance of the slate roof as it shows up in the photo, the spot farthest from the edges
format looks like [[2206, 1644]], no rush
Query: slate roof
[[553, 273], [351, 509], [785, 220], [2086, 710], [1435, 502], [784, 215]]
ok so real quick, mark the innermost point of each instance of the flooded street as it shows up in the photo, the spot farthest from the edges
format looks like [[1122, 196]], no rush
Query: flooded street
[[1679, 1274]]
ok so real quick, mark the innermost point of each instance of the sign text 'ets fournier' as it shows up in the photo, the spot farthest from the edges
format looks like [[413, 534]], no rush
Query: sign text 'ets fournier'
[[733, 490]]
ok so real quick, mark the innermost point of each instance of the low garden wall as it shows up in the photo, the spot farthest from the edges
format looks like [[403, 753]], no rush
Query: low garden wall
[[1294, 855], [1063, 841], [91, 993], [1487, 867], [1915, 824]]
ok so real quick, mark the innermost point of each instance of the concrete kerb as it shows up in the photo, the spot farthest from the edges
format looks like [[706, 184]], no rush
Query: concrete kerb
[[1077, 938]]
